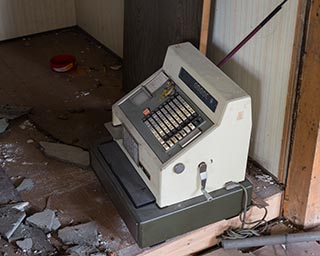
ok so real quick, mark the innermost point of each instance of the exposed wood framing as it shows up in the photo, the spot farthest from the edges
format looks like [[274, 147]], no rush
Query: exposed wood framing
[[206, 237], [205, 26], [293, 80], [302, 200]]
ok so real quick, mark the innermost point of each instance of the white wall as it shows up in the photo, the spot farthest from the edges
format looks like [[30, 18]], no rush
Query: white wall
[[103, 19], [261, 68], [25, 17]]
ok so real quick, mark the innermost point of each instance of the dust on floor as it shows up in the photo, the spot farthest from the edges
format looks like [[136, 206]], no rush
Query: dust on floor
[[73, 106], [69, 108]]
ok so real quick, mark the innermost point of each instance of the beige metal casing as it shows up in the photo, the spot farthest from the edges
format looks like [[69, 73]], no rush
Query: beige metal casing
[[223, 147]]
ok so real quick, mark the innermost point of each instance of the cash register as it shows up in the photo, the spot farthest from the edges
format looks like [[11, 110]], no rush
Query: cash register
[[177, 139]]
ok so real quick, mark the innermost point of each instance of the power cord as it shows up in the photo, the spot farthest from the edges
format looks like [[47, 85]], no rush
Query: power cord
[[243, 232]]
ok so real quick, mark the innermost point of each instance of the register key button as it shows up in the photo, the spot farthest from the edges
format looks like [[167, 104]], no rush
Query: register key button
[[146, 112]]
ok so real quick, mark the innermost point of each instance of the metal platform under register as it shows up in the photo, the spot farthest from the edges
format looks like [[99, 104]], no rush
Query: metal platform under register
[[148, 223]]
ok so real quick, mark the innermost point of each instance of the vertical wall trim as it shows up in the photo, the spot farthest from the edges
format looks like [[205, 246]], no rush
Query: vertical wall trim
[[206, 9], [293, 80], [302, 201]]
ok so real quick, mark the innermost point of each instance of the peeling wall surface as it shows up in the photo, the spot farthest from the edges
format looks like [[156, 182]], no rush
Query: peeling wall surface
[[261, 68], [25, 17], [103, 19]]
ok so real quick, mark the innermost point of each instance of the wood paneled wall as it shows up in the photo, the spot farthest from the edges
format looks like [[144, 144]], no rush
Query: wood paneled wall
[[25, 17], [262, 67], [150, 27], [103, 19]]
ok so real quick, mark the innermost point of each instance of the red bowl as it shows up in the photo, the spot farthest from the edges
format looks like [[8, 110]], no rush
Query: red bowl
[[63, 63]]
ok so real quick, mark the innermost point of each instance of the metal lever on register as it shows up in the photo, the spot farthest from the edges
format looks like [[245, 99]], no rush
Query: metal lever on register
[[203, 177]]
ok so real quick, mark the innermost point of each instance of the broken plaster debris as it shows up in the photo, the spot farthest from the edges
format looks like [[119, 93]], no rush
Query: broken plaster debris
[[23, 231], [83, 234], [40, 242], [26, 185], [26, 124], [265, 178], [45, 220], [21, 206], [99, 254], [12, 112], [116, 67], [25, 245], [9, 153], [82, 250], [3, 125], [7, 249], [82, 94], [8, 192], [10, 219], [66, 153]]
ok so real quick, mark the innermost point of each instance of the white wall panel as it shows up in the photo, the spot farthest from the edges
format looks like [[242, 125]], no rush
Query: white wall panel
[[103, 19], [261, 68], [25, 17]]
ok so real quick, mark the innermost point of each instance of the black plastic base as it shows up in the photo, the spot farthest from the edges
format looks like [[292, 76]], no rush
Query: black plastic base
[[148, 223]]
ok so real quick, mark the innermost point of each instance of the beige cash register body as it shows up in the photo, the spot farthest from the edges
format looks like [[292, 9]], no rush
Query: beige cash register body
[[186, 129]]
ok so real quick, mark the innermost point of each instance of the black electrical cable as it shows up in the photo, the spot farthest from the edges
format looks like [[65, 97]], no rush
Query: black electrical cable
[[243, 232]]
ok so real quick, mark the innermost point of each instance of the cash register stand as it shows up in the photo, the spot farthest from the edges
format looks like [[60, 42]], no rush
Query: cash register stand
[[149, 224]]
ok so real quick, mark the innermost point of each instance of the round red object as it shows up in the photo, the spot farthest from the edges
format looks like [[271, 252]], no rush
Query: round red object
[[63, 63]]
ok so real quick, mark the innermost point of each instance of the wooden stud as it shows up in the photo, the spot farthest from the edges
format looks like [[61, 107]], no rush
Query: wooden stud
[[205, 26], [302, 200], [293, 80]]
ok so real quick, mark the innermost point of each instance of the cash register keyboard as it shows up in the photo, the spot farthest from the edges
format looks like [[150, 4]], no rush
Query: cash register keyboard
[[172, 121]]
